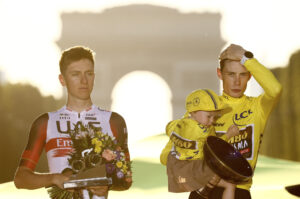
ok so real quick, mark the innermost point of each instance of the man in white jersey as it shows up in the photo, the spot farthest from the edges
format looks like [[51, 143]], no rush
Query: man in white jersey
[[50, 131]]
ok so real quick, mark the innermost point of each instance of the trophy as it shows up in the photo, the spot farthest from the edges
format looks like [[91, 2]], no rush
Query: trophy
[[294, 189], [226, 162], [89, 171]]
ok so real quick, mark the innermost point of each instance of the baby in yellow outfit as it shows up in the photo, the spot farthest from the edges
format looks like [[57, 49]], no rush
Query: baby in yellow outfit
[[183, 154]]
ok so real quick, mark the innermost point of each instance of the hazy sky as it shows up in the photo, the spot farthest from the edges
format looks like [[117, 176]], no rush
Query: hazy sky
[[29, 29]]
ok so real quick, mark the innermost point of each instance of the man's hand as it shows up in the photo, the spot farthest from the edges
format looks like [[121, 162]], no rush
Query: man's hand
[[233, 130], [233, 52], [99, 190], [25, 178], [59, 179]]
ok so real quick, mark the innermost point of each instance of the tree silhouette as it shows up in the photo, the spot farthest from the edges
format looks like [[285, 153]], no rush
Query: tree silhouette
[[19, 106], [282, 135]]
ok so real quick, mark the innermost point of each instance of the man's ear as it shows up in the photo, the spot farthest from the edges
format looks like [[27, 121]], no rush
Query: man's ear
[[62, 80], [219, 73]]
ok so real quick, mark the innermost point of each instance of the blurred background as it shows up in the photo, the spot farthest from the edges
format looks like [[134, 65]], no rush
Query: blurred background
[[149, 55]]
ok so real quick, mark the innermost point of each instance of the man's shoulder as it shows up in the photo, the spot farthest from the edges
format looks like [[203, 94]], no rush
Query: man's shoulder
[[41, 119], [254, 100], [116, 117], [62, 109], [99, 110]]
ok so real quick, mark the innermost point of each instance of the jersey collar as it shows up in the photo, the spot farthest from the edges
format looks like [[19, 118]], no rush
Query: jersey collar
[[228, 99], [84, 111]]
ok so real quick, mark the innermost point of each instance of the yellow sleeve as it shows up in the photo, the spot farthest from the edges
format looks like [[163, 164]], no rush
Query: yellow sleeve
[[187, 129], [165, 152], [268, 82]]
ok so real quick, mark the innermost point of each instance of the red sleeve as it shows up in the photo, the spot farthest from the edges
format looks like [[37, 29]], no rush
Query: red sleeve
[[119, 130], [118, 127], [36, 142]]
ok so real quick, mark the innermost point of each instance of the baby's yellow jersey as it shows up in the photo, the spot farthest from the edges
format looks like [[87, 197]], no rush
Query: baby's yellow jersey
[[250, 114], [187, 138]]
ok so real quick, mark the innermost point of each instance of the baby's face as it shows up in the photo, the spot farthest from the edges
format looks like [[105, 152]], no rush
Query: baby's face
[[206, 118]]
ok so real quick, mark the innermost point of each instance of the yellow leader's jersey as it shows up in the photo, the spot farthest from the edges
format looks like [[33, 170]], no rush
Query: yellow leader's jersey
[[187, 138], [250, 114]]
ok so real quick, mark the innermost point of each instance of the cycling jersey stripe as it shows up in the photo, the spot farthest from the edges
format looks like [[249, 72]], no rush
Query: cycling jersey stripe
[[36, 143], [29, 159], [28, 163]]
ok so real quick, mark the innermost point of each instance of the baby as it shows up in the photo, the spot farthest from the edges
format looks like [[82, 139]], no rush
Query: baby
[[183, 154]]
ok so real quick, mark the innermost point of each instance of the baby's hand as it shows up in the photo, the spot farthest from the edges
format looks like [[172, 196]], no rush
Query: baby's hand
[[233, 130]]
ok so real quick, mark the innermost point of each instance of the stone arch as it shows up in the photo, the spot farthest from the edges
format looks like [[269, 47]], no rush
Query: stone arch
[[180, 47], [143, 98]]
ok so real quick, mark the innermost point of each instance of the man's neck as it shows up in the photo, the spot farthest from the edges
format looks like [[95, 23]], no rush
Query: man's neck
[[79, 105], [225, 94]]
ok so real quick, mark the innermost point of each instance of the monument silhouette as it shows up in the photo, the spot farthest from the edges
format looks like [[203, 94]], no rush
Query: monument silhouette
[[182, 48]]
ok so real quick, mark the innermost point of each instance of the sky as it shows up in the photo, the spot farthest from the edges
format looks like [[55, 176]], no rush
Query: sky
[[29, 30]]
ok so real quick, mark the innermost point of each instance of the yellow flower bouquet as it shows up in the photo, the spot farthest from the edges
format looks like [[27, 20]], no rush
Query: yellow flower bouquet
[[92, 147]]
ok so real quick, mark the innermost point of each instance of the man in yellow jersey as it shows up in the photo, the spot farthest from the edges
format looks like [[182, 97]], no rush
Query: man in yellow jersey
[[250, 114]]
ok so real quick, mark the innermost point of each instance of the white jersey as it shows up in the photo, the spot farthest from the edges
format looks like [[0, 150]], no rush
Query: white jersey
[[58, 142], [51, 131]]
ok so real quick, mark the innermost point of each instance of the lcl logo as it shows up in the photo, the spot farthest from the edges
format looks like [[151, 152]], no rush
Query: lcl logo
[[237, 117]]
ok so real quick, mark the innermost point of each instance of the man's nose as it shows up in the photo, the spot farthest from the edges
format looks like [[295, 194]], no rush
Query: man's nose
[[83, 79], [237, 80]]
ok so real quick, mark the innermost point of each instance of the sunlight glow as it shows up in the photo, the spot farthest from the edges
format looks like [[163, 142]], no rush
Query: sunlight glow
[[28, 53], [29, 30], [144, 100]]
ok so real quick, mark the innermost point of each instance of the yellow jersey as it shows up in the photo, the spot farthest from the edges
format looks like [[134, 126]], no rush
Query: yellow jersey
[[187, 138], [250, 114]]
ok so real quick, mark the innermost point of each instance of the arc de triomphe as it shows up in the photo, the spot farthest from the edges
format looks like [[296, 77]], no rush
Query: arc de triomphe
[[180, 48]]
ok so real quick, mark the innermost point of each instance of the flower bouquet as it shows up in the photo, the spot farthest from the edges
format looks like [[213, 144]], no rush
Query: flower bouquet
[[91, 149]]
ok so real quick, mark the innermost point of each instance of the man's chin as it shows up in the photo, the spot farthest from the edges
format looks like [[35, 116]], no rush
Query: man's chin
[[236, 95], [84, 97]]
